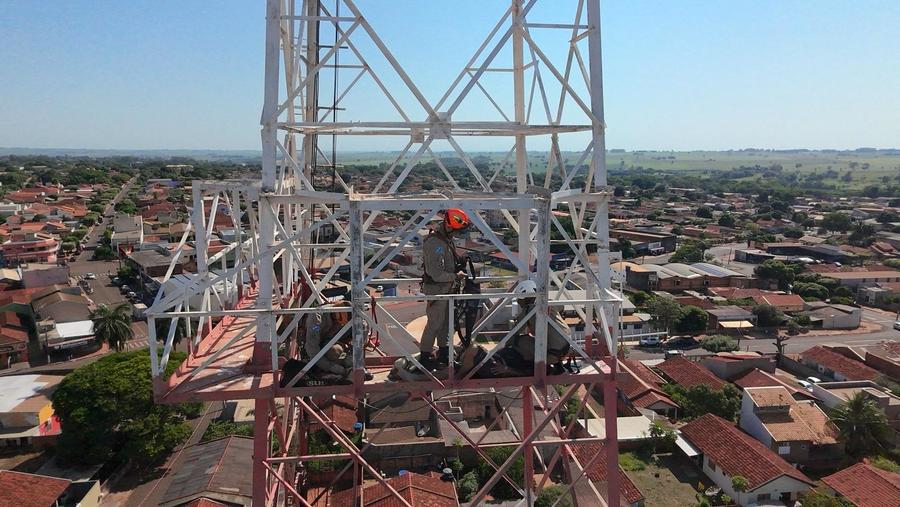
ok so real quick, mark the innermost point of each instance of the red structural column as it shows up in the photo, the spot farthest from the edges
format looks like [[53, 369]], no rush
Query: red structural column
[[260, 450], [612, 442]]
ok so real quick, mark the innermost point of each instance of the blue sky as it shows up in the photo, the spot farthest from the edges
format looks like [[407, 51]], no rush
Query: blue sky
[[678, 75]]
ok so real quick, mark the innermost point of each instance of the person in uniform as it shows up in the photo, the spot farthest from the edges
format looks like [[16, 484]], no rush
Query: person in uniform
[[321, 327], [441, 274]]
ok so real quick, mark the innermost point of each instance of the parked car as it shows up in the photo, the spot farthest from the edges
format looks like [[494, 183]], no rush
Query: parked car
[[806, 385], [649, 341], [674, 353], [897, 325], [132, 295], [813, 380], [115, 280], [124, 289], [90, 276], [681, 342]]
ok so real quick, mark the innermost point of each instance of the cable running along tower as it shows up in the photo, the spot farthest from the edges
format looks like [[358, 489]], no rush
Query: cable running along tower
[[309, 230]]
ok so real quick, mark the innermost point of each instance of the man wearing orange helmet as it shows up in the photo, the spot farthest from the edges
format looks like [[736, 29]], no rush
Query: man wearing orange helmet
[[441, 273]]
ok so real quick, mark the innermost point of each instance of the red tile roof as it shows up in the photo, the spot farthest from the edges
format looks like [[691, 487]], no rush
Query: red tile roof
[[641, 386], [853, 370], [419, 490], [738, 453], [340, 409], [597, 471], [29, 490], [205, 502], [688, 373], [866, 486]]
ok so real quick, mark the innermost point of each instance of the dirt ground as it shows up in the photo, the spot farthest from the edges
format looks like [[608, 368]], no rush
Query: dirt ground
[[673, 482]]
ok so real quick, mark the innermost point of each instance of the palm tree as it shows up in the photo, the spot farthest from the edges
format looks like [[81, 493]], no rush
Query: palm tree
[[113, 325], [862, 425]]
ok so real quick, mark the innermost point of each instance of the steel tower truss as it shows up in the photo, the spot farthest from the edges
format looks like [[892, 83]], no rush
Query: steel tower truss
[[244, 303]]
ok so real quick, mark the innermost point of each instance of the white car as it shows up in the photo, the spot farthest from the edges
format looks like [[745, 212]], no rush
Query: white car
[[897, 325], [806, 385], [90, 276], [813, 380], [649, 341]]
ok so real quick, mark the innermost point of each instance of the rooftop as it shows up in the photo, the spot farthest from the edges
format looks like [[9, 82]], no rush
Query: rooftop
[[597, 472], [26, 393], [214, 470], [849, 368], [803, 420], [866, 486], [738, 453], [417, 489], [688, 373], [29, 490]]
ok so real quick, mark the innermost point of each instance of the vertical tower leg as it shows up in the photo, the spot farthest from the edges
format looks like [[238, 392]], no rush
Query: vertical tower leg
[[260, 450]]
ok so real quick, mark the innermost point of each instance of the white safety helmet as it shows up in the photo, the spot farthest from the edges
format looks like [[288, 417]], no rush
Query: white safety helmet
[[526, 288]]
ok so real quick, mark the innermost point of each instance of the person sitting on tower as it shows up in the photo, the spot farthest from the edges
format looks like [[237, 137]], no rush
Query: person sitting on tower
[[321, 327], [441, 275], [517, 358]]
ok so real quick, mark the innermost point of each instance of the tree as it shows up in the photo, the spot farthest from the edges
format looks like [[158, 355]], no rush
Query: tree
[[549, 495], [665, 311], [67, 246], [467, 486], [768, 315], [702, 399], [106, 410], [739, 483], [718, 343], [793, 232], [693, 319], [639, 298], [688, 253], [842, 291], [502, 490], [704, 212], [624, 246], [811, 291], [727, 220], [619, 191], [863, 235], [113, 325], [837, 222], [661, 435], [775, 270], [862, 426]]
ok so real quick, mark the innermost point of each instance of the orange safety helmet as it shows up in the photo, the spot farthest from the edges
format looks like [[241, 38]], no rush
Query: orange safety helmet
[[341, 318], [456, 219]]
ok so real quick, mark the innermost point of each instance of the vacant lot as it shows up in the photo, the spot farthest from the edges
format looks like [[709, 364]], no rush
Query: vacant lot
[[673, 481]]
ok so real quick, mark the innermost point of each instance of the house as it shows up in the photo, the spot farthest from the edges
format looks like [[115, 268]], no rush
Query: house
[[718, 276], [640, 387], [760, 378], [429, 489], [154, 262], [835, 394], [637, 324], [837, 366], [797, 430], [732, 318], [687, 373], [218, 471], [60, 304], [752, 256], [646, 242], [866, 485], [725, 452], [30, 490], [856, 279], [787, 303], [26, 413], [729, 365], [831, 316], [127, 230], [13, 340], [29, 247], [597, 471]]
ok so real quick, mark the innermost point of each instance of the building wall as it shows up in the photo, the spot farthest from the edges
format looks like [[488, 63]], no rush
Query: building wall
[[772, 488], [730, 369]]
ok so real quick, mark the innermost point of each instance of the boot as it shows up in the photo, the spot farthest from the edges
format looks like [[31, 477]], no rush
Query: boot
[[443, 356], [428, 361]]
